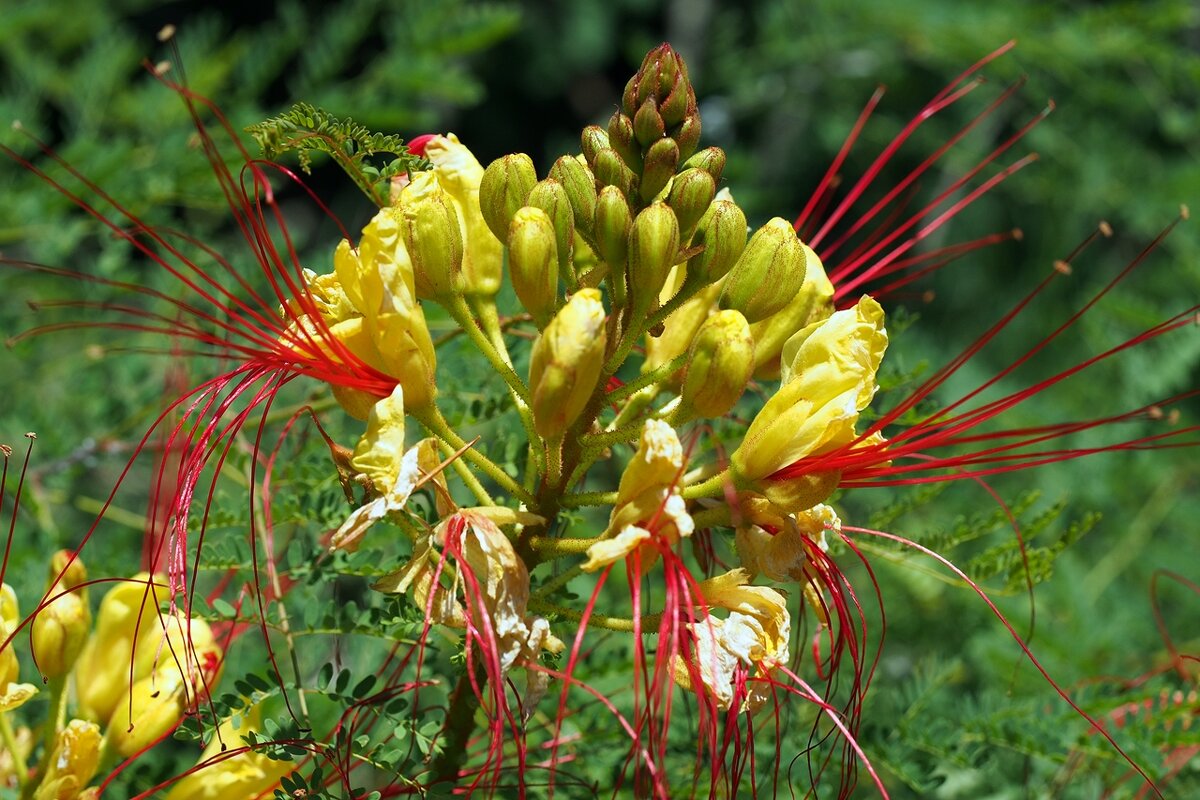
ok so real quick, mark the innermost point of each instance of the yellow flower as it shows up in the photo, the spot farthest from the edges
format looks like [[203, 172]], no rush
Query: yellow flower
[[393, 472], [566, 363], [72, 764], [752, 637], [244, 775], [828, 379], [12, 694], [782, 556], [59, 632], [647, 498]]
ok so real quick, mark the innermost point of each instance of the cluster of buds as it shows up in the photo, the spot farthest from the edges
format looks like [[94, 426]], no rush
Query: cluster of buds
[[130, 676], [651, 307]]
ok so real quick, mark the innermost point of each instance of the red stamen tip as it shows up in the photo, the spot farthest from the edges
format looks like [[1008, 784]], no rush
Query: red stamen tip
[[1105, 229], [417, 144], [1062, 267]]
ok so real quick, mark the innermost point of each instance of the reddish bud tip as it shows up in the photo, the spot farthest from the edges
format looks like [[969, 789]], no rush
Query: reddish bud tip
[[417, 144]]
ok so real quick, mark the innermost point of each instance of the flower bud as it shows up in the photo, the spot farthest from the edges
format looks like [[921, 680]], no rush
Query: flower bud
[[813, 303], [622, 138], [550, 196], [653, 248], [432, 236], [721, 231], [73, 762], [768, 274], [580, 185], [503, 189], [661, 160], [687, 136], [648, 125], [59, 632], [10, 611], [679, 329], [719, 367], [593, 140], [691, 194], [661, 75], [533, 263], [610, 170], [710, 159], [566, 362], [613, 223], [75, 574], [157, 702], [459, 174]]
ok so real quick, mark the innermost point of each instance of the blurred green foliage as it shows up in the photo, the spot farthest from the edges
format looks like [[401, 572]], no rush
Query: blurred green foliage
[[954, 711]]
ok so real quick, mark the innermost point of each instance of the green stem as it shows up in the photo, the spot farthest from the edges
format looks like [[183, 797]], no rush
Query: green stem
[[712, 517], [557, 582], [55, 720], [649, 622], [461, 313], [713, 487], [589, 499], [549, 547], [468, 477], [460, 724], [432, 419], [554, 460], [10, 744]]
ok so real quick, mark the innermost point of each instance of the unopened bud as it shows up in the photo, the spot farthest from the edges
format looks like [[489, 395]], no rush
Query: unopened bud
[[533, 263], [503, 189], [459, 174], [653, 247], [719, 366], [623, 139], [580, 185], [662, 72], [610, 170], [76, 572], [59, 632], [687, 135], [679, 102], [710, 159], [10, 611], [613, 221], [157, 702], [813, 303], [680, 327], [550, 196], [73, 762], [691, 194], [592, 141], [661, 160], [432, 236], [565, 364], [768, 274], [648, 125], [722, 233]]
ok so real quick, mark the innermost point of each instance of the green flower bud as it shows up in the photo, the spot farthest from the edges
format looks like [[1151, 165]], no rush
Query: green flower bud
[[710, 159], [653, 248], [59, 632], [580, 185], [593, 140], [721, 231], [661, 73], [432, 236], [768, 274], [550, 196], [565, 364], [661, 160], [813, 303], [719, 366], [678, 104], [691, 194], [533, 263], [613, 221], [503, 189], [610, 170], [687, 135], [648, 125], [621, 137]]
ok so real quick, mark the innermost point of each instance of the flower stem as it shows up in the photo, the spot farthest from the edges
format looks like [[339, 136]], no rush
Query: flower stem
[[432, 419], [648, 623], [549, 547], [10, 744], [461, 313], [711, 487]]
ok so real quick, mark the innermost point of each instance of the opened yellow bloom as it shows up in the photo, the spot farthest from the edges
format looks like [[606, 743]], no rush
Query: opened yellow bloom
[[392, 471], [244, 775], [72, 764], [648, 499], [783, 554], [751, 640], [828, 379]]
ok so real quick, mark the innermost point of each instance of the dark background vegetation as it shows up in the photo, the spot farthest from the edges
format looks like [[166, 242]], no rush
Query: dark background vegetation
[[954, 711]]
